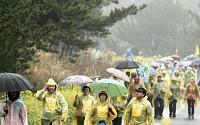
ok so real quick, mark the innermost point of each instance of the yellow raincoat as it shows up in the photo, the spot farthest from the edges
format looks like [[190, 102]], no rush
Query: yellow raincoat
[[53, 105], [192, 90], [83, 105], [102, 111], [138, 112]]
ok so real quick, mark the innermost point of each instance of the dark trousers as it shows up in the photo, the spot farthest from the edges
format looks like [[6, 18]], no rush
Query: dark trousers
[[117, 121], [158, 106], [190, 106], [150, 100], [172, 107], [80, 120]]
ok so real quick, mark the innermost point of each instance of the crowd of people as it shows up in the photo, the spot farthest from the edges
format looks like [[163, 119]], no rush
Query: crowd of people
[[171, 84]]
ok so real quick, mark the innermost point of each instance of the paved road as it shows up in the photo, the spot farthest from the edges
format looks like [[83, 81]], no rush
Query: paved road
[[182, 116]]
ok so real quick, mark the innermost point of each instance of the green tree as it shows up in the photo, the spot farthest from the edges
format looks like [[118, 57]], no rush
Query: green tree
[[51, 25]]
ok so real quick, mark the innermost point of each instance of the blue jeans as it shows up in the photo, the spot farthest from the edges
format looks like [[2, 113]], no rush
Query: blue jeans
[[158, 106]]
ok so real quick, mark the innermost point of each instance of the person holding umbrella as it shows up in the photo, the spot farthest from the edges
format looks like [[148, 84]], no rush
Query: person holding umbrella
[[139, 110], [102, 111], [83, 104], [13, 110], [54, 104]]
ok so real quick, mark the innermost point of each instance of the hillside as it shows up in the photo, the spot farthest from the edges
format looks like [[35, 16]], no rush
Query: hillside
[[161, 28]]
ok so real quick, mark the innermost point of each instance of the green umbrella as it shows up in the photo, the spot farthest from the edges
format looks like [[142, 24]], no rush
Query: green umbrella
[[112, 87]]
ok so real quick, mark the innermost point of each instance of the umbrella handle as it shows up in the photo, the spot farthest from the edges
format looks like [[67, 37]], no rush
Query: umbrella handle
[[6, 98]]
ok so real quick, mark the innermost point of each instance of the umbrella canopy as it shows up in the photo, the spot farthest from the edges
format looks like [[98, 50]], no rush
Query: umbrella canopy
[[117, 73], [76, 79], [139, 64], [14, 82], [168, 58], [176, 57], [184, 63], [112, 87], [127, 65], [196, 62], [191, 57], [154, 64], [162, 61], [151, 70]]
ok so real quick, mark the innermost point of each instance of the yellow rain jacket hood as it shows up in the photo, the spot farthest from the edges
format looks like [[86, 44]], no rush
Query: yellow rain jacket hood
[[54, 104]]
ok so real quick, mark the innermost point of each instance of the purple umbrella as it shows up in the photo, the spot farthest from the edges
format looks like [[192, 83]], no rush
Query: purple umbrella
[[184, 63]]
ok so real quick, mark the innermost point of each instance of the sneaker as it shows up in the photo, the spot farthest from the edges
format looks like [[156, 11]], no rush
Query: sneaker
[[189, 116], [174, 116], [192, 116]]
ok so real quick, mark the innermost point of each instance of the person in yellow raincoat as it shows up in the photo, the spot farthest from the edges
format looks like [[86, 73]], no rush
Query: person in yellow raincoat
[[191, 95], [139, 110], [119, 104], [160, 89], [188, 75], [140, 58], [102, 113], [180, 81], [137, 84], [175, 96], [149, 89], [54, 105], [166, 78], [83, 104]]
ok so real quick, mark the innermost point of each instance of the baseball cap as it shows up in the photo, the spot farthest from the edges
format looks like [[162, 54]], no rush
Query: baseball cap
[[141, 90]]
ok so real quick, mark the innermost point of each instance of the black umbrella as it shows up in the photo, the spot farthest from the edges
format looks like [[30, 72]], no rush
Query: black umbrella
[[14, 82], [196, 62], [127, 65]]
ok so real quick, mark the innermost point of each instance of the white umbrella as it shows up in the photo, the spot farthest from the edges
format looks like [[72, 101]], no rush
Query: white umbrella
[[76, 79], [117, 73]]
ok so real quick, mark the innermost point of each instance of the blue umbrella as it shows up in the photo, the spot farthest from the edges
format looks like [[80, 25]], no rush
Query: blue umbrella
[[151, 70]]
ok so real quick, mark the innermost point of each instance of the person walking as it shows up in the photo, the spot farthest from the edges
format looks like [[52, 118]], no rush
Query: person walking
[[175, 96], [139, 110], [160, 89], [191, 95], [83, 104], [54, 105], [102, 112], [133, 86], [13, 110], [149, 89]]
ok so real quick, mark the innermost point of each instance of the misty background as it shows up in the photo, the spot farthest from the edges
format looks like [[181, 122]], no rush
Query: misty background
[[160, 28]]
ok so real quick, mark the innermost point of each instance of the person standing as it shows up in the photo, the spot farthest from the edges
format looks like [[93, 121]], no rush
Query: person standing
[[54, 106], [139, 110], [160, 89], [102, 111], [83, 104], [191, 95], [13, 110]]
